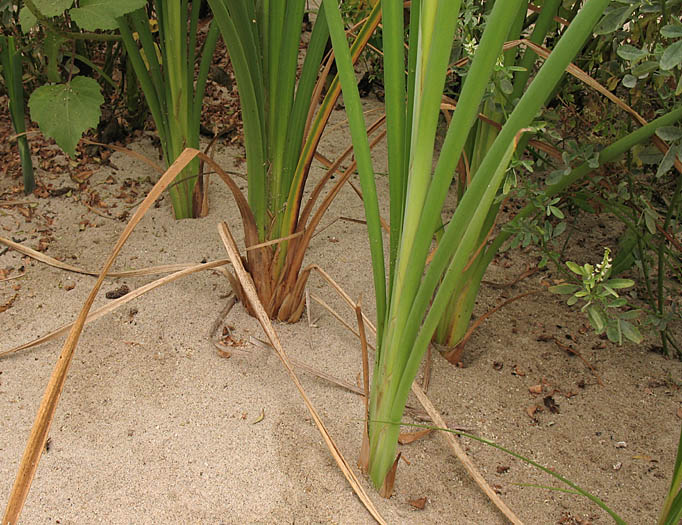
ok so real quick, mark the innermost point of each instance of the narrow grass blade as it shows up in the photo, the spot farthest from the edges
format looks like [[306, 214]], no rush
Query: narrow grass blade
[[461, 455]]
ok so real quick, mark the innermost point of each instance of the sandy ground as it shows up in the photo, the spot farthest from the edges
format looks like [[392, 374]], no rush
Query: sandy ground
[[155, 426]]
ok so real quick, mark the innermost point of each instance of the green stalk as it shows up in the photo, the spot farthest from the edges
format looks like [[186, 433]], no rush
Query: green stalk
[[672, 207], [235, 20], [169, 84], [608, 154], [400, 179], [282, 91], [11, 62], [361, 151], [425, 219], [150, 79], [542, 26], [396, 113], [403, 344], [672, 507], [514, 33], [311, 141], [304, 92]]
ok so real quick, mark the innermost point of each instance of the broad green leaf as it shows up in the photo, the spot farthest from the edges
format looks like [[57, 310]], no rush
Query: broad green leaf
[[614, 334], [650, 155], [629, 81], [556, 212], [631, 53], [102, 14], [572, 300], [65, 111], [650, 220], [596, 318], [669, 133], [631, 314], [560, 228], [52, 8], [666, 163], [27, 19], [613, 20], [575, 268], [671, 31], [672, 56], [618, 284], [564, 288], [618, 303], [506, 86], [630, 331], [609, 291], [643, 69]]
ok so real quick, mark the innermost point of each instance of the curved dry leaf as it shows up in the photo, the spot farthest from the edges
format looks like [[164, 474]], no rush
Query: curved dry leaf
[[117, 303], [250, 291], [48, 405]]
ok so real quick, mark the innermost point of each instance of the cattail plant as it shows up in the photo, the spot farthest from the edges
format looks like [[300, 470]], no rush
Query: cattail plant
[[413, 299], [164, 63], [10, 59], [282, 128]]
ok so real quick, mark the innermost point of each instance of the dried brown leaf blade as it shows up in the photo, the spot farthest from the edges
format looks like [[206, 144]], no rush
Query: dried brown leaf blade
[[152, 270], [405, 438], [250, 290], [48, 406], [113, 305], [387, 487], [438, 421]]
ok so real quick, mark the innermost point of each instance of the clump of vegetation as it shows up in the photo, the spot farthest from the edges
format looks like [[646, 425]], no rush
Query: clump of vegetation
[[489, 66]]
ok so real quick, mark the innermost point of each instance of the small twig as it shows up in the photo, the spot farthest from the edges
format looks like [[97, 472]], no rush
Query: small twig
[[320, 230], [579, 355], [427, 370], [97, 212], [13, 276], [231, 300], [310, 323], [274, 241], [384, 224], [351, 219], [526, 273], [313, 371], [16, 203], [365, 360], [338, 318], [455, 354]]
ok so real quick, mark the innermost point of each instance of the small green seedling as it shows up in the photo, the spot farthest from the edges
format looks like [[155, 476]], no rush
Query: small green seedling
[[602, 302]]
